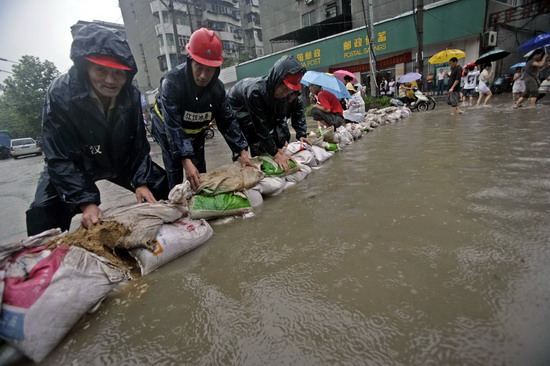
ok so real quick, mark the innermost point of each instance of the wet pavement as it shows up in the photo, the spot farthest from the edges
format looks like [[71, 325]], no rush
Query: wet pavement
[[426, 242]]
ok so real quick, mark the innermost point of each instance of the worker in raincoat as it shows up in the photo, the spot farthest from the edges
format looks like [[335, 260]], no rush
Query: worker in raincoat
[[190, 97], [261, 103], [92, 129]]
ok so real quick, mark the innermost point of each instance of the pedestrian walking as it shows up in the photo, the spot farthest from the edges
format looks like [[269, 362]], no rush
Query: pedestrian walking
[[536, 61], [454, 86], [470, 83], [518, 88], [485, 79]]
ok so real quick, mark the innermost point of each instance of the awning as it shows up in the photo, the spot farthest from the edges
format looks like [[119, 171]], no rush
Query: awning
[[327, 27]]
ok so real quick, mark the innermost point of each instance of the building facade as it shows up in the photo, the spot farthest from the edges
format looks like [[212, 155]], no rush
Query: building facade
[[330, 35], [157, 30]]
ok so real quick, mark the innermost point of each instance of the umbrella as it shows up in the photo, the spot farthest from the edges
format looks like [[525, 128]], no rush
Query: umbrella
[[445, 56], [492, 56], [411, 76], [538, 42], [519, 64], [328, 82], [470, 64], [341, 73]]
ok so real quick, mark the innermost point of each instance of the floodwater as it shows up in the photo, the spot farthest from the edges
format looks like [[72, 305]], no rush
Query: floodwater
[[426, 242]]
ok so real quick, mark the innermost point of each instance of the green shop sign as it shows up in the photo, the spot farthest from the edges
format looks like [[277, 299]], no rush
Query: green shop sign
[[389, 36]]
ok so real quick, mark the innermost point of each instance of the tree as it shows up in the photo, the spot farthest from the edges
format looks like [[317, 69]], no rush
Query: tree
[[23, 96]]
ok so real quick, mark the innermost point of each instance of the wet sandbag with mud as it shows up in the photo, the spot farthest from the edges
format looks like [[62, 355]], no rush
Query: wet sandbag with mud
[[47, 291], [270, 167], [173, 240], [229, 178], [203, 206]]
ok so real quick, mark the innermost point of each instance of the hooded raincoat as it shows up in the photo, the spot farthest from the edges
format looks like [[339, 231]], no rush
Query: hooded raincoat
[[260, 114], [82, 145]]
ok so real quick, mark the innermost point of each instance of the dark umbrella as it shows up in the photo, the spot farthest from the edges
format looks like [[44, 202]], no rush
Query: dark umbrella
[[492, 56], [538, 42]]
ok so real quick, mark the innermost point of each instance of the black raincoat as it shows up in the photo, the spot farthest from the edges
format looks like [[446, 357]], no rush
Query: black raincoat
[[185, 113], [260, 114], [81, 145]]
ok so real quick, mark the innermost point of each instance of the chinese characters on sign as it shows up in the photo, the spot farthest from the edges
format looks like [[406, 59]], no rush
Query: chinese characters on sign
[[310, 58], [360, 47]]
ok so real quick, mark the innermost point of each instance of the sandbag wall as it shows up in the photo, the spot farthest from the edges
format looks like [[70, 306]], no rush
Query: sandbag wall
[[45, 290]]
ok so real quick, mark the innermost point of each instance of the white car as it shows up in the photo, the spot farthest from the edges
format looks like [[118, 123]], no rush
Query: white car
[[24, 146]]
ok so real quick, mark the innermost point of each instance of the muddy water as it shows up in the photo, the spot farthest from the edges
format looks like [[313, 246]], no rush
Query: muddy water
[[424, 243]]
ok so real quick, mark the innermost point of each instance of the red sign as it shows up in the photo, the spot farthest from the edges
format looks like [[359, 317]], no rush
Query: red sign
[[382, 64]]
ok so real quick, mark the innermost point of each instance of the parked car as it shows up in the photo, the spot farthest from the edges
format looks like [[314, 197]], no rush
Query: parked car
[[4, 146], [24, 146]]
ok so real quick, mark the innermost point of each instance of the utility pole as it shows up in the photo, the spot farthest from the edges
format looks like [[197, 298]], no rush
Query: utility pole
[[166, 53], [420, 35], [372, 57]]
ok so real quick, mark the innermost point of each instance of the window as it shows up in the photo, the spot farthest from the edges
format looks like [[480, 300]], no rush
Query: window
[[330, 10], [308, 19]]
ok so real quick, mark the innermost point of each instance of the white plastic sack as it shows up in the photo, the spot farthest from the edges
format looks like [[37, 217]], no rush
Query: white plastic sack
[[48, 291], [299, 175], [173, 240], [345, 137], [321, 155], [305, 157], [255, 197], [270, 186]]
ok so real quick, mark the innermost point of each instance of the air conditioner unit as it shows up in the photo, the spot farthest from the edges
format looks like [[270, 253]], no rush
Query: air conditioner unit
[[490, 39]]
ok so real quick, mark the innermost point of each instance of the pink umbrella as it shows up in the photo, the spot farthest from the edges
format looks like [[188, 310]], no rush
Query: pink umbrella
[[341, 73]]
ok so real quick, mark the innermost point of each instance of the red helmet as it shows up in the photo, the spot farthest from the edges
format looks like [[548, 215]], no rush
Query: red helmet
[[205, 47]]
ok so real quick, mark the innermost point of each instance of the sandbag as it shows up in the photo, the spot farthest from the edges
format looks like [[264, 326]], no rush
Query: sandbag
[[327, 134], [270, 167], [48, 291], [270, 186], [355, 130], [229, 178], [223, 204], [321, 154], [255, 197], [344, 136], [305, 157], [144, 220], [299, 175], [173, 240]]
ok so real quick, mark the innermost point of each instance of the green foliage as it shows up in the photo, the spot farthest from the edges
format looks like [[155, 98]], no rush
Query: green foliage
[[23, 96], [228, 62], [382, 102]]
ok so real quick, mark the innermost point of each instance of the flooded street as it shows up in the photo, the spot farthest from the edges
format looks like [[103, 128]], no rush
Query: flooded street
[[426, 242]]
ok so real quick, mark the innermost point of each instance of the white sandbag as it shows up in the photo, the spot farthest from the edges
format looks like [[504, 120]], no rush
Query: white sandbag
[[296, 146], [305, 157], [299, 175], [48, 291], [355, 130], [255, 197], [321, 155], [344, 136], [173, 240], [270, 186]]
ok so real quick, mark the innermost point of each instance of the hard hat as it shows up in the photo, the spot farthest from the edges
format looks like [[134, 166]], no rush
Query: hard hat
[[205, 47]]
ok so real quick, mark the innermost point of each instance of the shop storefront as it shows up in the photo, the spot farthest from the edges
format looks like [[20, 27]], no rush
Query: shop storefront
[[395, 43]]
